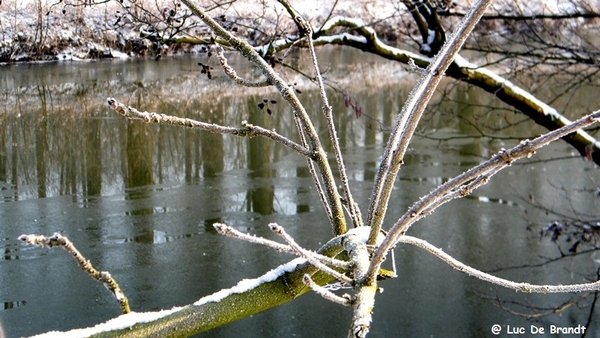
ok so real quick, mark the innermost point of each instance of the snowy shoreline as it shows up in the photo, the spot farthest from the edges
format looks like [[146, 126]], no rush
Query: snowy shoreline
[[60, 31], [64, 30]]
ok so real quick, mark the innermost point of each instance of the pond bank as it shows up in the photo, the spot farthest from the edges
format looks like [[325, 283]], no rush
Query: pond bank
[[46, 30]]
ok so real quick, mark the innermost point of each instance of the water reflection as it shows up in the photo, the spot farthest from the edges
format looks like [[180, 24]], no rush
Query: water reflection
[[140, 199], [12, 305]]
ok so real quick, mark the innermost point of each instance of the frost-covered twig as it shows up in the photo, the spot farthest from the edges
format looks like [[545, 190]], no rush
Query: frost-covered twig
[[406, 122], [232, 73], [306, 30], [311, 256], [523, 287], [101, 276], [323, 292], [473, 178], [226, 230], [247, 130], [333, 138]]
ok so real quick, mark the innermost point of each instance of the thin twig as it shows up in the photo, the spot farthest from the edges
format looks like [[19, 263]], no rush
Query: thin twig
[[323, 292], [523, 287], [463, 184], [306, 30], [101, 276], [247, 130], [311, 256], [327, 110], [313, 170], [233, 75], [226, 230]]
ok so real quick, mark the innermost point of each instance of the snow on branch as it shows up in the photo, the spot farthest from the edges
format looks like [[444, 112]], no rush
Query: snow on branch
[[359, 36], [523, 287], [248, 284], [101, 276]]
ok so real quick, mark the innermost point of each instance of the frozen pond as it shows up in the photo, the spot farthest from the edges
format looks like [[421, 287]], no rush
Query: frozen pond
[[140, 200]]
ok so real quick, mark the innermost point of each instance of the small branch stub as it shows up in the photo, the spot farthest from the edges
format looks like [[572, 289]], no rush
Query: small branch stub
[[102, 276]]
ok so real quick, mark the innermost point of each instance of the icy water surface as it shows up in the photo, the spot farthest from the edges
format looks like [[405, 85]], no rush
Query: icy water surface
[[139, 200]]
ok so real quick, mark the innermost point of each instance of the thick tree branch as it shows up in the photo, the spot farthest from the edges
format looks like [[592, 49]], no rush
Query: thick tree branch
[[249, 296], [364, 303]]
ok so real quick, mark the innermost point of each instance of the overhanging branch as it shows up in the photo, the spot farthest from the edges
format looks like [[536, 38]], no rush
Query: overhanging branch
[[365, 39]]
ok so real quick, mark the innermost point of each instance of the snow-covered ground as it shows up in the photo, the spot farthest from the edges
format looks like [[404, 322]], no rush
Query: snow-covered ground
[[68, 30]]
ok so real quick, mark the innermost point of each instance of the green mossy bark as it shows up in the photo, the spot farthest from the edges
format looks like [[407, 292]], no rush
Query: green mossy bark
[[194, 319]]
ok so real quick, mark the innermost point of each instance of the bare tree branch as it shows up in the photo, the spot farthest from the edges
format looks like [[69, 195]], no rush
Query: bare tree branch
[[523, 287], [323, 292], [463, 184], [233, 75], [406, 122], [307, 31], [247, 130], [101, 276]]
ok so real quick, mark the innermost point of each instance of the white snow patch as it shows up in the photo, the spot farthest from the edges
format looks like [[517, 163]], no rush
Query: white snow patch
[[249, 284], [363, 234], [344, 36], [549, 111], [461, 62], [118, 323], [119, 55], [130, 319], [262, 50]]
